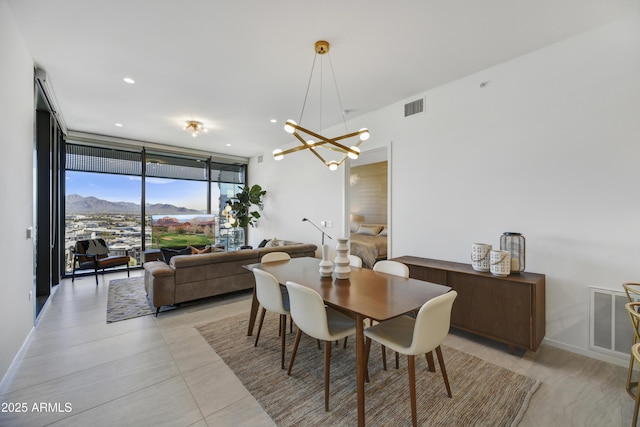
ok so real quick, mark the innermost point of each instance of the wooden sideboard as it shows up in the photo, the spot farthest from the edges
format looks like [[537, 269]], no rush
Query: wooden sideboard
[[507, 309]]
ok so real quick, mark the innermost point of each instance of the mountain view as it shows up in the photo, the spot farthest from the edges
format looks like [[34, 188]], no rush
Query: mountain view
[[76, 204]]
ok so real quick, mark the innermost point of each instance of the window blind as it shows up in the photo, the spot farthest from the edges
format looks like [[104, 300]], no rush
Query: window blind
[[232, 174], [85, 158], [163, 166]]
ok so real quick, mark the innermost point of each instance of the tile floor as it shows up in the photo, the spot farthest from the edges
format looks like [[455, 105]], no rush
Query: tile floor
[[159, 372]]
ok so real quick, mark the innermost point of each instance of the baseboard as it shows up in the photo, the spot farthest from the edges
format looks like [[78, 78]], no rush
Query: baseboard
[[615, 360], [17, 357]]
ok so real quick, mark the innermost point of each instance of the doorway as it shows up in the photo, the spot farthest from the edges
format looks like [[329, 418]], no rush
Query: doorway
[[368, 205]]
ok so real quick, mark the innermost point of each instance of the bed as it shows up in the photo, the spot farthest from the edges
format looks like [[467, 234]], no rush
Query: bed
[[369, 242]]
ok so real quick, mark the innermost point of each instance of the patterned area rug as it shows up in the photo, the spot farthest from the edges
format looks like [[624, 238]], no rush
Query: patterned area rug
[[128, 299], [483, 394]]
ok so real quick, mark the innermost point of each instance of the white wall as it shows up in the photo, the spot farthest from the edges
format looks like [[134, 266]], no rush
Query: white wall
[[298, 186], [549, 148], [16, 188]]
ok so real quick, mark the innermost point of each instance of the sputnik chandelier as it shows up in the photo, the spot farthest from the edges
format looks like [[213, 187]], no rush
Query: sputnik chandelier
[[322, 48], [195, 128]]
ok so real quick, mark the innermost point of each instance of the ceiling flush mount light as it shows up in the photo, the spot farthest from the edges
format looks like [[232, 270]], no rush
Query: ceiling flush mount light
[[195, 128], [290, 126]]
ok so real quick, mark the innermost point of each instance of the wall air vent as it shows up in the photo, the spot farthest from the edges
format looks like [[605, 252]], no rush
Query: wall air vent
[[260, 158], [610, 330], [414, 107]]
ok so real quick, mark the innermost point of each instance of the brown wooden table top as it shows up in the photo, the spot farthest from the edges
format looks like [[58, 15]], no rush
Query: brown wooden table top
[[372, 294]]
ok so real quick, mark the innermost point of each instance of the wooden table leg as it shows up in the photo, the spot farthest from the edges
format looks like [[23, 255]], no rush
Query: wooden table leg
[[253, 313], [360, 358]]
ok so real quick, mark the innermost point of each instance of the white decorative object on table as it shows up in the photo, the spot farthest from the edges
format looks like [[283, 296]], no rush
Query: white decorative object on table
[[480, 256], [326, 266], [500, 263], [342, 268]]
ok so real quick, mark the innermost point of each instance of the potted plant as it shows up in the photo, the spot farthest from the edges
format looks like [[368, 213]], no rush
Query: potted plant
[[240, 206]]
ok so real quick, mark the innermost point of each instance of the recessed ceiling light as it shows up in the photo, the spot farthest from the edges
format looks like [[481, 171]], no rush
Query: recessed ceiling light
[[119, 125], [274, 121], [228, 145], [129, 80]]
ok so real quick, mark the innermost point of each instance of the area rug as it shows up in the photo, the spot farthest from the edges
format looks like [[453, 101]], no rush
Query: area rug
[[484, 394], [128, 299]]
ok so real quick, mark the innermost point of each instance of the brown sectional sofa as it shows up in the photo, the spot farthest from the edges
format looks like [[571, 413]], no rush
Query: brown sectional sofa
[[190, 277]]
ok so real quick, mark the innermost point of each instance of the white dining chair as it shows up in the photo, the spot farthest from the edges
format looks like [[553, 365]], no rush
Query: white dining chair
[[272, 299], [397, 269], [414, 336], [355, 261], [275, 256], [392, 267], [318, 321]]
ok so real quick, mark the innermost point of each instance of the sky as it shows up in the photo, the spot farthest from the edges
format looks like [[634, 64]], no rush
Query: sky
[[122, 188]]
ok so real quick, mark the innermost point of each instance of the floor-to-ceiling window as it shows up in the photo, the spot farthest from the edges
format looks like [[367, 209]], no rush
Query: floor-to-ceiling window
[[116, 194], [102, 199], [226, 181]]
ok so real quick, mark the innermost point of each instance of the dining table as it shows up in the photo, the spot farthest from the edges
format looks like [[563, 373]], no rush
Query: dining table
[[366, 294]]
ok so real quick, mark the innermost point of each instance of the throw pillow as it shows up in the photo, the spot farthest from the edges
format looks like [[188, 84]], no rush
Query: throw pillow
[[263, 243], [168, 253], [383, 232], [274, 243], [369, 230], [205, 250]]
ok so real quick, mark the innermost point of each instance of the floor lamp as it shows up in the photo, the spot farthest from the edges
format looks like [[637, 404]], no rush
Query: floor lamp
[[322, 231]]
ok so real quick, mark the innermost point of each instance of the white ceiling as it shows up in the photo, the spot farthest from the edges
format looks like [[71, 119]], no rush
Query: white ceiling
[[234, 65]]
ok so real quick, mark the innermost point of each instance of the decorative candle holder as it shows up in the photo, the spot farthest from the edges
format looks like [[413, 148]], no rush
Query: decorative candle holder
[[500, 263], [514, 243], [480, 256], [342, 268], [326, 266]]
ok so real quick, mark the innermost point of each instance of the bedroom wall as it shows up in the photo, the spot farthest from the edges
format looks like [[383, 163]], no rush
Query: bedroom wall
[[16, 189], [368, 192], [547, 147]]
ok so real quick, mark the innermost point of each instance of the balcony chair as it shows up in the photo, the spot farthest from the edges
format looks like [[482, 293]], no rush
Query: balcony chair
[[94, 255], [633, 308]]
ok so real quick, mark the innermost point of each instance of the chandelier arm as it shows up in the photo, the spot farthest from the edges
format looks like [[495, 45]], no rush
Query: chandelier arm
[[306, 145], [327, 140], [342, 160], [293, 150], [348, 135]]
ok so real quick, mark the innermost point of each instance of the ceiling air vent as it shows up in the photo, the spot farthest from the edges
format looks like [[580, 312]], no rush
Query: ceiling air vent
[[414, 107]]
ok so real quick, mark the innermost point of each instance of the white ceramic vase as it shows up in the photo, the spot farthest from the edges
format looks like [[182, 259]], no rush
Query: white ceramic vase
[[342, 268], [326, 266]]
